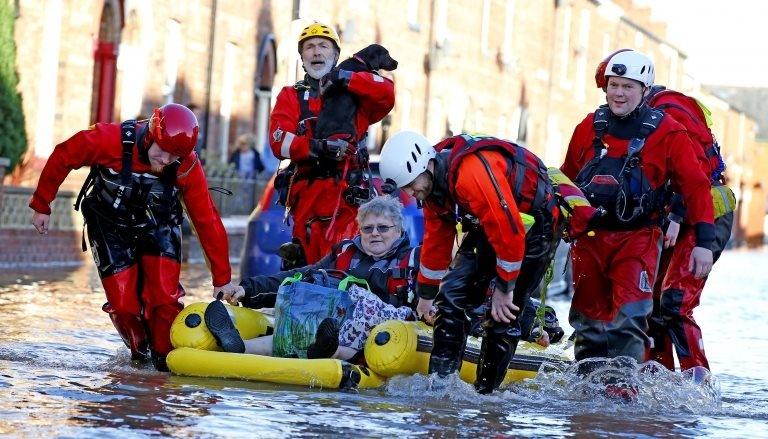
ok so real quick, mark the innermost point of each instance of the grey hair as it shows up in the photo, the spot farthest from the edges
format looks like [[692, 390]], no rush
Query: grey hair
[[384, 205]]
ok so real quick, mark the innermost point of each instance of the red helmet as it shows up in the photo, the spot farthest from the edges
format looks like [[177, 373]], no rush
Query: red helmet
[[600, 80], [174, 128]]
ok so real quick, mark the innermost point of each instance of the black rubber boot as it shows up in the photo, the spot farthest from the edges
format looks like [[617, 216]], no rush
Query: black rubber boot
[[449, 341], [159, 362], [496, 351], [326, 340], [218, 322]]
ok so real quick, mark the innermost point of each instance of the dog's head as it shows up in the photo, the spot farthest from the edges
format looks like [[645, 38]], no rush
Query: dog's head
[[377, 57]]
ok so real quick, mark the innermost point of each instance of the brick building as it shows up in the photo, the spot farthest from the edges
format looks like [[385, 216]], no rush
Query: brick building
[[516, 69]]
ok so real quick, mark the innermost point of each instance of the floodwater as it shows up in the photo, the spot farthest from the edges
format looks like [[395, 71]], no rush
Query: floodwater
[[64, 372]]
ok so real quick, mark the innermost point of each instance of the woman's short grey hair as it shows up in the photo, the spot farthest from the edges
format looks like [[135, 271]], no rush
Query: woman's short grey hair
[[384, 205]]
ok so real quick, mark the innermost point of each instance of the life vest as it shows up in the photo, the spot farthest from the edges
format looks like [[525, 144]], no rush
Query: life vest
[[697, 120], [520, 162], [129, 198], [618, 185], [396, 274]]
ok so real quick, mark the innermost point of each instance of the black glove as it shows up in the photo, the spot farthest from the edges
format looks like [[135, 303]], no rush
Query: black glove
[[335, 78], [334, 149]]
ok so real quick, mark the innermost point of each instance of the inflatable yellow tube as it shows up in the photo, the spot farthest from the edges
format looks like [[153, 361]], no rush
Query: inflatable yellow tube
[[197, 354], [189, 330], [323, 373], [402, 348]]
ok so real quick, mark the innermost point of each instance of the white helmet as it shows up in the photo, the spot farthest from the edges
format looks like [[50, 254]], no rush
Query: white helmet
[[404, 156], [632, 65]]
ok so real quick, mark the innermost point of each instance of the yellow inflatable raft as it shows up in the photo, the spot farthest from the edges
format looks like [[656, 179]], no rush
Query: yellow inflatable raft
[[197, 354], [393, 348]]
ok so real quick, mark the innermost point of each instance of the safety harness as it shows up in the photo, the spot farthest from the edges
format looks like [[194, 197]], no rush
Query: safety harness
[[130, 199], [519, 161], [619, 185]]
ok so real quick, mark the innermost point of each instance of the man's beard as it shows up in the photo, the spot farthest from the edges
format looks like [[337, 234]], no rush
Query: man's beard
[[317, 74], [158, 169]]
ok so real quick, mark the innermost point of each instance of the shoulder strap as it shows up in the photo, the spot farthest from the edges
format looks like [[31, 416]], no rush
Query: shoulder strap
[[303, 93], [600, 121], [650, 122], [128, 139]]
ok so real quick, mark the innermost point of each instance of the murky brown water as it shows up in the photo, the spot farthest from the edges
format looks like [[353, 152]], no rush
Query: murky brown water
[[65, 372]]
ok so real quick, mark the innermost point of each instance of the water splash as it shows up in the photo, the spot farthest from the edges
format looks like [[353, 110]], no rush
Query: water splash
[[647, 387], [617, 385]]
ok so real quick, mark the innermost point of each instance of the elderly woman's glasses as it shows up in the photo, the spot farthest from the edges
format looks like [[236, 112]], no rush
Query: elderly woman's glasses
[[381, 228]]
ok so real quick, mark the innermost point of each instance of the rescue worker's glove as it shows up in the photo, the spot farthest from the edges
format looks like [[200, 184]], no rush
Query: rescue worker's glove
[[334, 149], [335, 78]]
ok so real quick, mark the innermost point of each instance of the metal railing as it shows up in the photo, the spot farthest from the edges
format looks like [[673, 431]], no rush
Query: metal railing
[[245, 194]]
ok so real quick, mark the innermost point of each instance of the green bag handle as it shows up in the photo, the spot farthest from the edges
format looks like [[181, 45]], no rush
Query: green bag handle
[[354, 281], [289, 280]]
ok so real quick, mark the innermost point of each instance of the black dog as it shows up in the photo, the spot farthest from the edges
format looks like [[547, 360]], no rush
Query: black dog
[[337, 117]]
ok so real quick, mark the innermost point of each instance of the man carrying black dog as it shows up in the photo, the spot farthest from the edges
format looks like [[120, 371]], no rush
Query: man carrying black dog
[[318, 189]]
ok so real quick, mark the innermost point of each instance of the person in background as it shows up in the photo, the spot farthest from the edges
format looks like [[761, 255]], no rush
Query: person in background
[[245, 158], [132, 207]]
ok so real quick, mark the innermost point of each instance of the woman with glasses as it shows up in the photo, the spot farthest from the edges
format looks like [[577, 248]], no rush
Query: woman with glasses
[[381, 255]]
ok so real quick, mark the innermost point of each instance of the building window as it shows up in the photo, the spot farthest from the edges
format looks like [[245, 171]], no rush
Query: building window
[[172, 55], [404, 108], [639, 40], [506, 45], [522, 125], [565, 48], [412, 11], [441, 22], [485, 25], [227, 92], [581, 59]]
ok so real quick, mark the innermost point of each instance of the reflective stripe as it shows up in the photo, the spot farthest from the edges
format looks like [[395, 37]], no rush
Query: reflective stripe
[[432, 274], [377, 78], [285, 147], [508, 266]]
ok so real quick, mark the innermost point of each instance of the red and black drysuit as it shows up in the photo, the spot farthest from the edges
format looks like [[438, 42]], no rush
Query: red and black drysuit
[[614, 270], [484, 183], [133, 217], [677, 291], [322, 194], [390, 276]]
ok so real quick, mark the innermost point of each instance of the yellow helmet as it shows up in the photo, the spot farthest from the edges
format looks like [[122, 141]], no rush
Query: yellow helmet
[[319, 30]]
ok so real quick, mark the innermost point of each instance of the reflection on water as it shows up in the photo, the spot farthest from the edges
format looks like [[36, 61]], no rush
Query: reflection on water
[[65, 372]]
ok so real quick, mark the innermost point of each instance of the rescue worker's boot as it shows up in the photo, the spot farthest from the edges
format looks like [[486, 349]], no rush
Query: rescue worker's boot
[[218, 322], [326, 340], [496, 352], [132, 331], [449, 340]]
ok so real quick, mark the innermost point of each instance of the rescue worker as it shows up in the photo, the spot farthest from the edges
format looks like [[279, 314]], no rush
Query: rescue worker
[[326, 180], [677, 291], [130, 203], [485, 184], [623, 157]]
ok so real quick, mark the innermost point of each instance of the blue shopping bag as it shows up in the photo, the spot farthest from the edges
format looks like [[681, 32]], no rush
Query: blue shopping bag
[[304, 301]]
